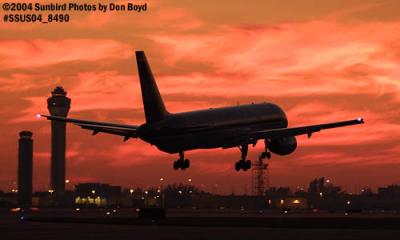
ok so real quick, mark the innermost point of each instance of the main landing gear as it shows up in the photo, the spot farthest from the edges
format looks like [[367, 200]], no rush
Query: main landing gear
[[265, 154], [246, 164], [181, 163], [243, 163]]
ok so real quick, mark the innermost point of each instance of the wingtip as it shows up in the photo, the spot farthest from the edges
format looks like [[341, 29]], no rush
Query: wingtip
[[360, 119], [38, 115]]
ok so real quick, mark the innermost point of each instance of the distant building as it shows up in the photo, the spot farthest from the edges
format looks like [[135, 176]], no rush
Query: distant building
[[8, 199], [42, 199], [294, 203], [46, 199], [25, 155], [391, 191], [97, 194]]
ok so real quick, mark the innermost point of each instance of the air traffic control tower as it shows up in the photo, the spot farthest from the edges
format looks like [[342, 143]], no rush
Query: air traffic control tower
[[25, 153], [58, 105]]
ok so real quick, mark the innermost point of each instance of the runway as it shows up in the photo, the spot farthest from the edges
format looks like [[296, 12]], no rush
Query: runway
[[61, 224]]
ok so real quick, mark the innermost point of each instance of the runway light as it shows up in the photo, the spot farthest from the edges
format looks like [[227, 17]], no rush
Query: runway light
[[348, 202], [296, 201], [51, 191], [93, 191], [15, 209], [67, 181], [131, 190], [108, 213], [114, 211], [77, 209]]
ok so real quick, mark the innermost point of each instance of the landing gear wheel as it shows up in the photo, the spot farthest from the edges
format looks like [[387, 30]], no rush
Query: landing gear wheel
[[181, 163], [243, 164], [247, 165], [238, 166], [186, 163], [176, 165], [265, 155]]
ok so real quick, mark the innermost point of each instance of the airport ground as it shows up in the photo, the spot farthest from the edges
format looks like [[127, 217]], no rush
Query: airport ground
[[197, 224]]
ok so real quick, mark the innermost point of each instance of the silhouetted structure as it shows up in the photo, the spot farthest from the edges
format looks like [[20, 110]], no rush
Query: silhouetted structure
[[58, 105], [260, 177], [25, 154], [97, 194]]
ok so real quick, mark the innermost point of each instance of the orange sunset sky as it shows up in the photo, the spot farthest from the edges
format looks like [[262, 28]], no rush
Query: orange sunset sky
[[321, 61]]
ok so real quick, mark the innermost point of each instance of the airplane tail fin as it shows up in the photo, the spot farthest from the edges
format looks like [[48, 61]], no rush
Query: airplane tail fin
[[154, 108]]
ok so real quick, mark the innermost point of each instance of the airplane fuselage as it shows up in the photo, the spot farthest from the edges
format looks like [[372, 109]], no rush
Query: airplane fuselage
[[212, 128]]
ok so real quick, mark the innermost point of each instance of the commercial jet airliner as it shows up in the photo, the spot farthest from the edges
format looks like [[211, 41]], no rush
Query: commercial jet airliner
[[226, 127]]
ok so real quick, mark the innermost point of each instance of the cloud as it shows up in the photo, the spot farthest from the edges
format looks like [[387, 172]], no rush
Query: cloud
[[28, 54]]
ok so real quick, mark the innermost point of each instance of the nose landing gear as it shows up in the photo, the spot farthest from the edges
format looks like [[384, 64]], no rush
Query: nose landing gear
[[265, 154], [181, 163]]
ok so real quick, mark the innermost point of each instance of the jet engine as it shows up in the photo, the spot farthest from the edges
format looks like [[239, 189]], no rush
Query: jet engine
[[282, 146]]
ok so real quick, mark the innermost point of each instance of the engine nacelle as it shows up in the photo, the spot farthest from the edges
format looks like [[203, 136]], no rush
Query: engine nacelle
[[282, 146]]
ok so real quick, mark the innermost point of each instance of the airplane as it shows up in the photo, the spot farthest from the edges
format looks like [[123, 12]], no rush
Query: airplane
[[225, 127]]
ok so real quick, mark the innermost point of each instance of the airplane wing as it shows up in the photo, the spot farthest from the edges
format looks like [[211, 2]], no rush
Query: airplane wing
[[127, 131], [309, 130]]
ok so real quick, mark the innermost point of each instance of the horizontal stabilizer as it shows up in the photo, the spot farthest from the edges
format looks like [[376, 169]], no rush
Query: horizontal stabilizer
[[127, 131]]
